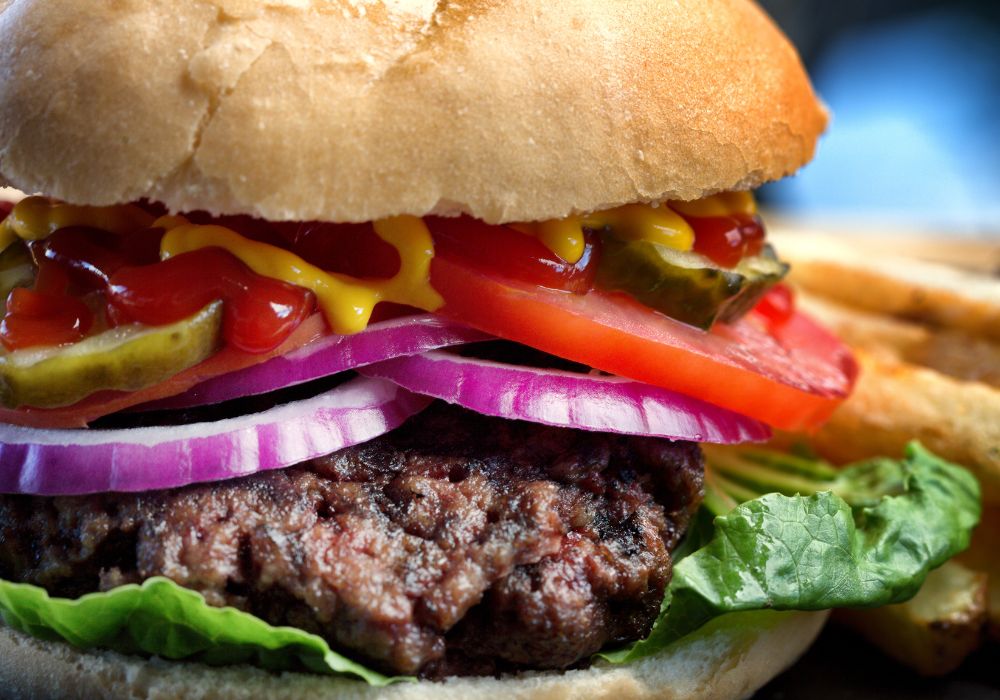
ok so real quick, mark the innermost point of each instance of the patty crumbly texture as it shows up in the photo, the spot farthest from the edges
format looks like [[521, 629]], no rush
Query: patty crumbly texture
[[457, 544]]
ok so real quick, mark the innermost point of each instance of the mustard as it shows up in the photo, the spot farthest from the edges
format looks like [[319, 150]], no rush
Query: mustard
[[565, 237], [645, 222], [34, 218], [661, 224], [346, 302], [722, 204]]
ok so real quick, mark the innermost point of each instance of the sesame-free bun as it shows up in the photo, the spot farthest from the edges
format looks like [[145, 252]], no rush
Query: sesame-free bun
[[347, 110], [731, 658]]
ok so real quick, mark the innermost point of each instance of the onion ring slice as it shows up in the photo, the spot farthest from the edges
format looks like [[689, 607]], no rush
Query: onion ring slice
[[71, 462], [331, 354], [567, 399]]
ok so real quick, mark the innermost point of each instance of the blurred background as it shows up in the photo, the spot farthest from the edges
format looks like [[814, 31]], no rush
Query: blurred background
[[914, 88]]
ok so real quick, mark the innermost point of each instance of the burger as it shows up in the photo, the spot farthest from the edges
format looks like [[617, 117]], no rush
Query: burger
[[365, 348]]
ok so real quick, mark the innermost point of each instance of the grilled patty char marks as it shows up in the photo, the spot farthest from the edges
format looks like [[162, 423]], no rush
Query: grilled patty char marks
[[457, 544]]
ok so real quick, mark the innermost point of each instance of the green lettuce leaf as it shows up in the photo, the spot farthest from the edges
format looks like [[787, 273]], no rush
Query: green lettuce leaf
[[867, 535], [871, 543], [159, 617]]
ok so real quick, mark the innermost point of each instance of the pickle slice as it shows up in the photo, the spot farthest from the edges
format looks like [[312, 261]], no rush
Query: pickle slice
[[127, 358], [761, 272], [16, 269], [685, 285]]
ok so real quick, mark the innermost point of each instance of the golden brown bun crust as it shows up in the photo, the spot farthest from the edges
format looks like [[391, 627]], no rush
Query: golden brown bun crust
[[350, 111], [731, 659]]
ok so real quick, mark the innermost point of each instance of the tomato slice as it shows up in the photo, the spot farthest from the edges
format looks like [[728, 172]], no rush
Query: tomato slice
[[775, 365], [791, 375]]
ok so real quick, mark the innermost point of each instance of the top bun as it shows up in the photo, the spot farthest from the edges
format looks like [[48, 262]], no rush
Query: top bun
[[354, 110]]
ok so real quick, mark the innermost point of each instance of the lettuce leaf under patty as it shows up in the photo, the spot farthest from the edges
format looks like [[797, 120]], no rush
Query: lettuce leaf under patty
[[866, 535], [161, 618]]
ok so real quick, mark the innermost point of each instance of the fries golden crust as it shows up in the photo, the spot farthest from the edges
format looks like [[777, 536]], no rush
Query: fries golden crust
[[906, 288], [982, 556], [894, 403], [955, 353], [928, 339], [935, 631]]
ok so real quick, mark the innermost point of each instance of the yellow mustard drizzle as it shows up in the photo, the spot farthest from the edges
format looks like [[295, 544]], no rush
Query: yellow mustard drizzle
[[722, 204], [644, 222], [565, 237], [34, 218], [346, 302]]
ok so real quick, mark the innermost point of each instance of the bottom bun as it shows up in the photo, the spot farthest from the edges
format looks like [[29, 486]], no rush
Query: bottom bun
[[730, 658]]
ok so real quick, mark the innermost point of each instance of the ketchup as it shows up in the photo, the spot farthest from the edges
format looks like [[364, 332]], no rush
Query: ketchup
[[502, 250], [45, 314], [777, 306], [91, 255], [259, 313], [725, 240], [349, 249]]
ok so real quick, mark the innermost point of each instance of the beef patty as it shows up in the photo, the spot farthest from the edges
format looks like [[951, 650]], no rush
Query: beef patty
[[455, 544]]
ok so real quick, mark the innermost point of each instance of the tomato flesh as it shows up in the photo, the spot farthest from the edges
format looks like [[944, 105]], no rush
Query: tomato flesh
[[775, 364], [742, 366]]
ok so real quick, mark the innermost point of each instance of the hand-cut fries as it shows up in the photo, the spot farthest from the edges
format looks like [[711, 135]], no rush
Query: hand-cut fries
[[933, 632], [927, 337], [958, 354], [894, 403], [984, 555], [937, 382], [899, 286]]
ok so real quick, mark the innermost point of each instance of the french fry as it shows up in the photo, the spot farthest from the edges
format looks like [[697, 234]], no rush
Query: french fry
[[937, 629], [979, 253], [894, 403], [939, 295], [927, 337], [954, 353], [982, 556]]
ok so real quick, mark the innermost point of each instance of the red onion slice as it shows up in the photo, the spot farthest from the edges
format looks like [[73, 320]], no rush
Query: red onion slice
[[396, 337], [556, 397], [69, 462]]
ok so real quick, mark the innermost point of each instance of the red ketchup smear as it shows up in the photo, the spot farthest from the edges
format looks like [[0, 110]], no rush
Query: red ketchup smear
[[505, 251], [259, 313], [46, 314], [725, 240], [777, 306]]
